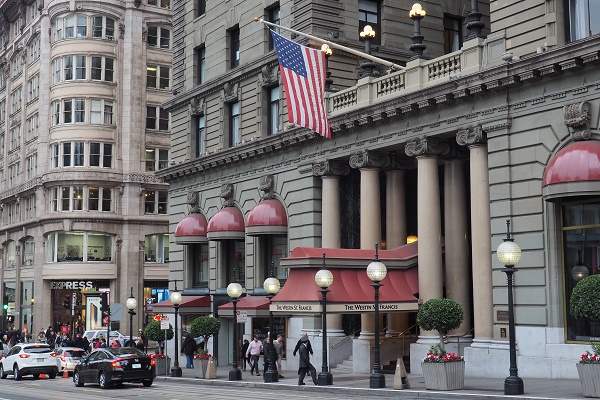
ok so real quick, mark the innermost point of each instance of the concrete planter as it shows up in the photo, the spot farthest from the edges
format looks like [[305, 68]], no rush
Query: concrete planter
[[200, 368], [444, 376], [163, 366], [589, 376]]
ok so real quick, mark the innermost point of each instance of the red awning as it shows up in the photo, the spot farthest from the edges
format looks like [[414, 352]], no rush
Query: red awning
[[350, 292], [253, 305], [187, 301], [191, 229], [227, 224], [267, 218], [573, 171]]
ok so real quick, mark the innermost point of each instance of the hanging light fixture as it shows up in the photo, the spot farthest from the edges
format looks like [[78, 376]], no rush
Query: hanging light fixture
[[579, 271]]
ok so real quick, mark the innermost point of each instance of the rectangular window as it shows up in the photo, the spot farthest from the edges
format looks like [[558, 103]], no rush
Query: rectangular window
[[57, 68], [369, 14], [70, 26], [453, 37], [160, 3], [159, 37], [100, 155], [97, 27], [54, 150], [198, 257], [79, 110], [101, 111], [158, 77], [156, 202], [200, 8], [584, 18], [31, 166], [78, 154], [58, 30], [100, 199], [81, 26], [34, 86], [234, 124], [102, 69], [15, 137], [273, 110], [68, 111], [32, 127], [30, 212], [200, 60], [157, 159], [234, 47], [2, 110], [66, 154], [150, 117], [68, 60], [80, 67], [200, 136], [109, 31], [55, 113], [274, 17], [103, 27], [154, 113], [17, 100]]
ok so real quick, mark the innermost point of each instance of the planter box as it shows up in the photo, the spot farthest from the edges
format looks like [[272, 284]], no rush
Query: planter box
[[444, 376], [589, 376], [163, 366], [200, 368]]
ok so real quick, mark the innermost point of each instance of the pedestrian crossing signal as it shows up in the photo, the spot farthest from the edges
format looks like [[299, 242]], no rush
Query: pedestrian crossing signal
[[5, 303]]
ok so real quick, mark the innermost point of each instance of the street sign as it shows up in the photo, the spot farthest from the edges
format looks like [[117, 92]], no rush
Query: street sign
[[116, 311], [242, 317], [164, 323]]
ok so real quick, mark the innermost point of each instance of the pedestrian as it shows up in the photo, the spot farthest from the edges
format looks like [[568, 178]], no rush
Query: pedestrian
[[41, 336], [254, 349], [304, 365], [189, 347], [79, 342], [245, 359], [102, 343], [270, 354], [140, 344], [279, 350], [308, 345]]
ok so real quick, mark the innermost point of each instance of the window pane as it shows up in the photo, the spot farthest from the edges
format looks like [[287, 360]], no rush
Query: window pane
[[151, 76], [107, 159], [77, 198], [164, 77], [80, 68], [66, 154], [94, 154], [81, 26], [94, 197], [152, 36], [150, 117], [163, 123], [165, 38], [108, 69], [107, 199], [97, 27], [110, 28], [96, 68], [78, 153], [65, 198]]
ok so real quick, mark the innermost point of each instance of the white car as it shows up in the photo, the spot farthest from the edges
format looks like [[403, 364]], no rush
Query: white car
[[68, 358], [29, 359], [101, 333]]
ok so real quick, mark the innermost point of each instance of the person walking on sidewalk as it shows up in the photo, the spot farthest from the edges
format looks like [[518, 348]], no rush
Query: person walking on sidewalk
[[189, 347], [243, 353], [279, 350], [254, 350], [304, 364]]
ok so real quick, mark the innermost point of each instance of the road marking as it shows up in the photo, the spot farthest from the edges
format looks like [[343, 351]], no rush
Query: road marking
[[94, 390]]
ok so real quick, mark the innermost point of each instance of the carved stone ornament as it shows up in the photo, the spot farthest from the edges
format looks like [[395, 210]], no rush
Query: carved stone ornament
[[144, 33], [119, 243], [227, 194], [578, 117], [267, 186], [40, 5], [426, 147], [197, 105], [369, 159], [331, 167], [268, 76], [471, 135], [121, 30], [230, 92], [192, 202]]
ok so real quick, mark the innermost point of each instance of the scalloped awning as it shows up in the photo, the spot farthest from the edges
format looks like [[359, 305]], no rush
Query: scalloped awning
[[191, 229], [227, 224], [267, 218]]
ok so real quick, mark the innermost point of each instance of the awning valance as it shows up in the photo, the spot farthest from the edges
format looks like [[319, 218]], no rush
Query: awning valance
[[188, 303], [254, 306], [227, 224], [267, 218], [573, 171], [191, 229]]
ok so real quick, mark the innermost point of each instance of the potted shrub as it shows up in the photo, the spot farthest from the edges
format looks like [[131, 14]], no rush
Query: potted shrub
[[441, 370], [585, 304], [204, 327], [153, 332]]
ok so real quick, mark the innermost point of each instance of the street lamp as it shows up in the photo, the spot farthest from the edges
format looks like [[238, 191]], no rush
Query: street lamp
[[328, 52], [131, 304], [509, 253], [367, 34], [176, 300], [376, 271], [271, 286], [234, 290], [324, 279], [417, 14]]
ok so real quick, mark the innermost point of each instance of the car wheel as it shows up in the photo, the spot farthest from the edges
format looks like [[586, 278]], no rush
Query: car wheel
[[77, 379], [2, 373], [52, 375], [147, 382], [16, 374], [103, 381]]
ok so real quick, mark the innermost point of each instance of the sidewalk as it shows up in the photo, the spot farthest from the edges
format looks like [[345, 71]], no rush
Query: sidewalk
[[475, 388]]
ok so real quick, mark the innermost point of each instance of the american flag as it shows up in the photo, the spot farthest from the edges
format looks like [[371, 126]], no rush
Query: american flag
[[303, 73]]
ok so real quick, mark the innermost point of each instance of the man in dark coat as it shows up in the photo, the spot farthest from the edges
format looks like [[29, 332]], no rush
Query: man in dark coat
[[270, 355], [189, 347], [305, 364]]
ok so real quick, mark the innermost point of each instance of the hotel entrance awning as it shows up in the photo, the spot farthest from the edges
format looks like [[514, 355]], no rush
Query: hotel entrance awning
[[254, 306]]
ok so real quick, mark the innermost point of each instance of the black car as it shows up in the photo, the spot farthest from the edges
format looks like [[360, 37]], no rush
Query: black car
[[114, 366]]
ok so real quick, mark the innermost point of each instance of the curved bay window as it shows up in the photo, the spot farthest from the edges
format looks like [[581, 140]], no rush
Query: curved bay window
[[581, 257], [79, 247]]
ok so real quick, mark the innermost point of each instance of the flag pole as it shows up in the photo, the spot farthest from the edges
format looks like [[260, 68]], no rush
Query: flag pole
[[336, 46]]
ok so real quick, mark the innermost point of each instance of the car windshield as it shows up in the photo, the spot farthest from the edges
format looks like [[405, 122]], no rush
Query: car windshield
[[120, 351], [75, 353], [37, 349]]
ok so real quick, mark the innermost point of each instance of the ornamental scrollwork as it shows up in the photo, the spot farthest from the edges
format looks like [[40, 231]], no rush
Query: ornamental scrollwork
[[471, 135], [330, 168], [578, 117], [426, 147], [367, 158]]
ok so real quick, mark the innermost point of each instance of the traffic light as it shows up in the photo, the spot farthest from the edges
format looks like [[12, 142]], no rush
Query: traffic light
[[5, 303], [104, 303], [67, 302]]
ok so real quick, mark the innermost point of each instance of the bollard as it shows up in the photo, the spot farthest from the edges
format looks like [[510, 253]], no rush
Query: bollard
[[400, 376], [211, 369]]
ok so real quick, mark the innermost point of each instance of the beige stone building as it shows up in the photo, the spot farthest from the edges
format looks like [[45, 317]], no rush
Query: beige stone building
[[499, 121], [82, 134]]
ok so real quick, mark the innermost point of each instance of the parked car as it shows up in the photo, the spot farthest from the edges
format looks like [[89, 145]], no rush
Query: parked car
[[29, 359], [101, 333], [108, 366], [68, 358]]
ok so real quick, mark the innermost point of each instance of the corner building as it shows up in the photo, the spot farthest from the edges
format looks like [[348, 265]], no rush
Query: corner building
[[490, 125], [82, 134]]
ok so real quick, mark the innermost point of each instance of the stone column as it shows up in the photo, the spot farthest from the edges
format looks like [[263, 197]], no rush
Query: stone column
[[481, 233], [426, 151], [369, 164], [456, 240], [330, 172]]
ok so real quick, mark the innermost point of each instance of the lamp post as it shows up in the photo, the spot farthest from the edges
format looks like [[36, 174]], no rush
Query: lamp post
[[509, 253], [417, 14], [368, 66], [376, 271], [131, 304], [328, 52], [234, 290], [475, 25], [324, 279], [176, 300], [271, 286]]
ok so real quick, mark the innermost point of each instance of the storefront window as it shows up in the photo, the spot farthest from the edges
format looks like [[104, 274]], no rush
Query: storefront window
[[581, 254], [27, 307], [79, 247], [260, 327], [156, 248], [154, 292]]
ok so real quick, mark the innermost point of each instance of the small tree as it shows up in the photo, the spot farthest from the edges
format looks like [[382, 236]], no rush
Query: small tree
[[585, 299], [205, 327], [153, 332], [440, 315]]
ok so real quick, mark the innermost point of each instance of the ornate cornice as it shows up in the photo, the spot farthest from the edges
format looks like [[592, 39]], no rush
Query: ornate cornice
[[369, 159], [426, 147], [330, 168]]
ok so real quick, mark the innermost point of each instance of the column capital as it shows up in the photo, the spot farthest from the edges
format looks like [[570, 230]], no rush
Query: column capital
[[330, 167], [367, 158], [426, 147], [471, 135], [400, 162]]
